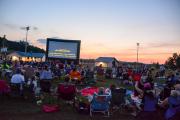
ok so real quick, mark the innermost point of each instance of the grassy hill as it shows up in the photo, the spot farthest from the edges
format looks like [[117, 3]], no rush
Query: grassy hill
[[19, 46]]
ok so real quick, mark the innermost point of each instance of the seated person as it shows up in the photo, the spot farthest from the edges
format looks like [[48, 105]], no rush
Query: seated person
[[172, 103], [139, 88], [165, 93], [102, 91], [75, 75], [149, 103], [66, 79], [135, 101]]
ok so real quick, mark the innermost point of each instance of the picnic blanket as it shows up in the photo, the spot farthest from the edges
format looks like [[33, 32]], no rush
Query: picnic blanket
[[89, 91]]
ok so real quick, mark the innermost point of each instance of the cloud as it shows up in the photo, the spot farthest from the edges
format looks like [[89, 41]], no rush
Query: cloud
[[163, 44], [30, 27], [56, 37], [14, 26], [11, 26], [42, 41], [35, 28]]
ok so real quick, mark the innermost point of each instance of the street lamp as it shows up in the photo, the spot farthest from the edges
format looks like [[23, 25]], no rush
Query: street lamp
[[138, 52], [27, 28]]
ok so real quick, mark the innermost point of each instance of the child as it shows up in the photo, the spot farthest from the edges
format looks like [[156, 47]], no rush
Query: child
[[32, 83]]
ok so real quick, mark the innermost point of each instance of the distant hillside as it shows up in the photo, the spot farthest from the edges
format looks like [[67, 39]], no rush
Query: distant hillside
[[19, 46]]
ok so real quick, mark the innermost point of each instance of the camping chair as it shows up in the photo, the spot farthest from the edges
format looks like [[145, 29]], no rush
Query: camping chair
[[67, 92], [118, 98], [100, 103]]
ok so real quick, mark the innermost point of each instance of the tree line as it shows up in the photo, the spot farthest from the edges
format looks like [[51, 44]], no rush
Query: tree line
[[19, 46], [173, 62]]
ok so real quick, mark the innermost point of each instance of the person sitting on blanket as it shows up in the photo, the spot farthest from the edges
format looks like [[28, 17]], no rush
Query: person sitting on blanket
[[172, 103]]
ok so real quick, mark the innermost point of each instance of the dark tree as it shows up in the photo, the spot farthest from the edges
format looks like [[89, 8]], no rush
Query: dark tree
[[173, 62]]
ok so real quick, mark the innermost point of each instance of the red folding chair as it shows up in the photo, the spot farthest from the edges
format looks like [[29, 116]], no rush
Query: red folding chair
[[67, 92]]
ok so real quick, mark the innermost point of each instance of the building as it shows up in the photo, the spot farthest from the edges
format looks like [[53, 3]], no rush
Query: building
[[29, 56], [107, 62]]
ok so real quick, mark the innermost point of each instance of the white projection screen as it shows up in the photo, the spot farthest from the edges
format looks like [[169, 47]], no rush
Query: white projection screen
[[63, 49]]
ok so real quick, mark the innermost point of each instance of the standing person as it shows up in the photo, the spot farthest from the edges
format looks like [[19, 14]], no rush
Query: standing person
[[5, 65], [17, 80], [15, 66], [100, 72], [45, 79], [5, 69], [29, 72]]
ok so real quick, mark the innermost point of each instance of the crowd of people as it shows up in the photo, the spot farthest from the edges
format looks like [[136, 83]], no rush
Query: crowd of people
[[146, 98]]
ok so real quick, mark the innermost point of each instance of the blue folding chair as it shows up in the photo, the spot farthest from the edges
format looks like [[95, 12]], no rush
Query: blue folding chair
[[100, 103]]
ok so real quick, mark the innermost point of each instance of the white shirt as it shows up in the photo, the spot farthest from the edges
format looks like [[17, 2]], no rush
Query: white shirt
[[46, 75], [17, 78]]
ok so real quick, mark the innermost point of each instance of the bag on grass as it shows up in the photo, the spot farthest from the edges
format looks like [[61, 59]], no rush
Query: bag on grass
[[50, 108]]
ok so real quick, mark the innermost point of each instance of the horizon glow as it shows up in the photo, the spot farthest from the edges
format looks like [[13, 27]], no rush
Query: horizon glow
[[105, 27]]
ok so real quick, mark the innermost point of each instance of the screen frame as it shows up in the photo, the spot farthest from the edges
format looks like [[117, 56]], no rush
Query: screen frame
[[65, 41]]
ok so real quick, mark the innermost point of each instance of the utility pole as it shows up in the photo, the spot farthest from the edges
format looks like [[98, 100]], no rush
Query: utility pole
[[27, 28], [137, 56], [137, 52]]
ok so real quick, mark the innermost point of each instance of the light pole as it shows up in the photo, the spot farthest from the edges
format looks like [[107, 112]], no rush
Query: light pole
[[137, 56], [137, 52], [27, 28]]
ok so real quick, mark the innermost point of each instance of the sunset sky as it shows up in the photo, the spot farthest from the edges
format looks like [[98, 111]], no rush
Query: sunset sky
[[105, 27]]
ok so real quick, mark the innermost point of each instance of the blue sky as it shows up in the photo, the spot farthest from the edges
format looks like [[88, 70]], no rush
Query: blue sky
[[105, 27]]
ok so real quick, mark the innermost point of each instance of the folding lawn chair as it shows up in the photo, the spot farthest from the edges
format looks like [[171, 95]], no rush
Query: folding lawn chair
[[67, 92], [118, 98], [100, 103]]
